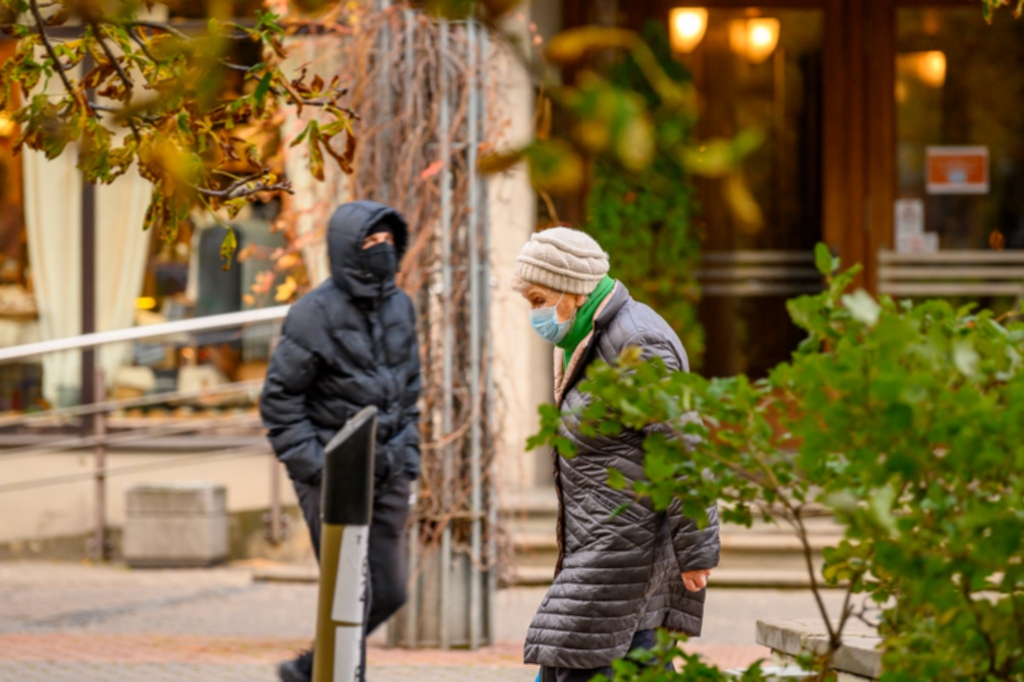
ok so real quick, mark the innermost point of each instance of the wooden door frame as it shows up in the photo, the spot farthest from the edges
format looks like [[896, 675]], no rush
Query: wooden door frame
[[879, 53]]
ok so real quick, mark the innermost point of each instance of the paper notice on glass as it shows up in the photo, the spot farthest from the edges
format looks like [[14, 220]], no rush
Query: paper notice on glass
[[957, 170], [909, 217], [926, 242]]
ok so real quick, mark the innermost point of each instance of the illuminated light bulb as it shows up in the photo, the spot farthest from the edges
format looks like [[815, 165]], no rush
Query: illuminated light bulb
[[7, 126], [762, 38], [931, 68], [688, 25]]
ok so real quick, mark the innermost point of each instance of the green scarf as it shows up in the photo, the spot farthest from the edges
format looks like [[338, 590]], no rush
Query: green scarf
[[584, 322]]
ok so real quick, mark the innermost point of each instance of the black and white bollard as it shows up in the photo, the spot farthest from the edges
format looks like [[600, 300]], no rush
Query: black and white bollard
[[346, 507]]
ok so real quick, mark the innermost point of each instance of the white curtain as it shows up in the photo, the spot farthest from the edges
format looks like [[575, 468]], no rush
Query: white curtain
[[121, 253], [53, 221], [53, 218], [313, 201]]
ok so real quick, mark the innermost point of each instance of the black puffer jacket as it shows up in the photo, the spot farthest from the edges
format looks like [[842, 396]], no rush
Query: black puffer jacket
[[616, 574], [349, 343]]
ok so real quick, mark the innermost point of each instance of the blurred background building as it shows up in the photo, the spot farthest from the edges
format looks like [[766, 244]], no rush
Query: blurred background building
[[893, 132]]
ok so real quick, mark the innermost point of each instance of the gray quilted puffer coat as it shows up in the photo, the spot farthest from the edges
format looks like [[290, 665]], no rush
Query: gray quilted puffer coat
[[615, 575]]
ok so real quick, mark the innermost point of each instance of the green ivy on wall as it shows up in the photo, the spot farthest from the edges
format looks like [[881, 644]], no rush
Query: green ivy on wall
[[644, 219]]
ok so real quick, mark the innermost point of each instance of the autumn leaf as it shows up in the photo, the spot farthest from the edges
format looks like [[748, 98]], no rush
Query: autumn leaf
[[288, 261], [264, 282], [497, 162], [570, 46], [431, 170], [286, 291], [742, 204], [316, 155], [227, 248]]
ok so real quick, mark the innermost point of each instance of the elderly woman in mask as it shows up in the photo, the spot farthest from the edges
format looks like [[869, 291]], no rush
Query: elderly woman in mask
[[618, 576]]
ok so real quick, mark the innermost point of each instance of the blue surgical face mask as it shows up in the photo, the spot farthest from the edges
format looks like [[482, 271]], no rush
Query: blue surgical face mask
[[545, 322]]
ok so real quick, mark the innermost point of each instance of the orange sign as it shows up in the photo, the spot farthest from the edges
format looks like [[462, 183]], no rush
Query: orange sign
[[957, 170]]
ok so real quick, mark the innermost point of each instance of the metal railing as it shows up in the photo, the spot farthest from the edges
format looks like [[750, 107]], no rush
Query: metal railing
[[100, 408], [758, 273], [199, 324], [951, 273]]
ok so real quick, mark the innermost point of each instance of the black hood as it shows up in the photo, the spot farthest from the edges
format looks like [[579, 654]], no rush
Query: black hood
[[349, 226]]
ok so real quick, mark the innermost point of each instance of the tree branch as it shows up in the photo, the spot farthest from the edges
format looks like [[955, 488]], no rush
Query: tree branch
[[121, 73], [112, 58], [241, 188], [156, 26], [40, 27], [142, 45], [805, 543], [122, 112]]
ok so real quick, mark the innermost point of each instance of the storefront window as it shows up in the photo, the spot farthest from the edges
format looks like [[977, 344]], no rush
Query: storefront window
[[181, 278], [960, 128]]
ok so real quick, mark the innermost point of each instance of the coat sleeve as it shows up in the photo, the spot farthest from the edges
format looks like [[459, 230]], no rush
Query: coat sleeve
[[409, 434], [293, 369], [695, 548]]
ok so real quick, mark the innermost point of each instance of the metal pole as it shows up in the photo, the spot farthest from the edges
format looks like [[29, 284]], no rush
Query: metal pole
[[88, 390], [492, 497], [445, 556], [475, 575], [275, 500], [384, 116], [346, 508], [99, 421], [413, 603]]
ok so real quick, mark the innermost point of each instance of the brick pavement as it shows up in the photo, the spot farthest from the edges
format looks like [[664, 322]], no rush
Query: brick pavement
[[93, 624]]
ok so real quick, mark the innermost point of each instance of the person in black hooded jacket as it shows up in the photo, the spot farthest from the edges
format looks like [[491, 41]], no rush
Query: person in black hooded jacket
[[350, 343]]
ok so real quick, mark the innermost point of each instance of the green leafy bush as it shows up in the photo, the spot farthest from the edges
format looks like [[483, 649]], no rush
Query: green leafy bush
[[907, 422]]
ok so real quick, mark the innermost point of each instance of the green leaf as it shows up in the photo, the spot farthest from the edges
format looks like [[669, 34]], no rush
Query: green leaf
[[616, 479], [227, 248], [862, 307], [555, 167], [260, 95], [823, 259], [966, 358]]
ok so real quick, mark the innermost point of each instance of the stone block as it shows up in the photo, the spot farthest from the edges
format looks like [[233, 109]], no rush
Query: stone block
[[859, 655], [176, 524], [178, 498]]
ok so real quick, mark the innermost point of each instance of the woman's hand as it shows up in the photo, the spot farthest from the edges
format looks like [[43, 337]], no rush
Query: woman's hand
[[696, 581]]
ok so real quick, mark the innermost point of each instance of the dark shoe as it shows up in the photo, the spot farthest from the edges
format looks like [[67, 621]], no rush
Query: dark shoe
[[298, 670]]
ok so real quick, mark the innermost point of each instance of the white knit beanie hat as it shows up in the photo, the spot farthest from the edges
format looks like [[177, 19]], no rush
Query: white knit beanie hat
[[562, 259]]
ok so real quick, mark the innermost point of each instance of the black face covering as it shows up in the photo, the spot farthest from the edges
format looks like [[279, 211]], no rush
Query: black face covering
[[380, 261]]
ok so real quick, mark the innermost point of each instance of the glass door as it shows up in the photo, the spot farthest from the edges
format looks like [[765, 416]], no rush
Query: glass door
[[758, 68]]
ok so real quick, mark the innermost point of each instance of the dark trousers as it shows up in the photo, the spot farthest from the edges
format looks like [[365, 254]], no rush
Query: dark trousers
[[644, 639], [387, 547]]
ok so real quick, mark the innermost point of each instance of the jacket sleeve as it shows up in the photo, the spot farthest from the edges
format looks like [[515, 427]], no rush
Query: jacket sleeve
[[695, 548], [293, 369], [408, 450]]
